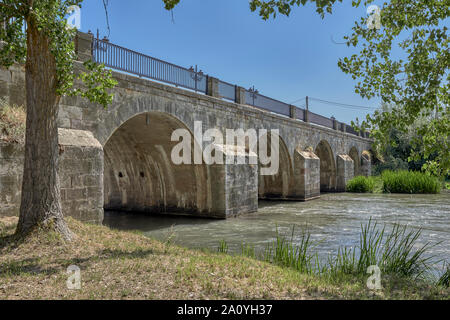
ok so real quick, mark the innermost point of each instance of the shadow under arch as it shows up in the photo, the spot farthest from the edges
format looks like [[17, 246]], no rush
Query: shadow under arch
[[140, 176], [279, 185], [328, 172], [353, 153]]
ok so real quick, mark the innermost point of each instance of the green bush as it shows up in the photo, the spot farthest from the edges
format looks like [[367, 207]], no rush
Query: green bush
[[361, 184], [409, 182]]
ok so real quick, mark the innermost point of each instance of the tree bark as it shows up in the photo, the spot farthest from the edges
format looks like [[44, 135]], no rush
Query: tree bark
[[41, 198]]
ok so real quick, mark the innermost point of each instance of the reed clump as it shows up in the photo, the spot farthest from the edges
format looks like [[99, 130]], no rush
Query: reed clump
[[361, 184], [394, 250], [409, 182]]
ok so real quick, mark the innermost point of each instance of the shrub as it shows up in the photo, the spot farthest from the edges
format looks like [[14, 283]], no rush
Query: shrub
[[361, 184], [12, 123], [409, 182], [390, 163]]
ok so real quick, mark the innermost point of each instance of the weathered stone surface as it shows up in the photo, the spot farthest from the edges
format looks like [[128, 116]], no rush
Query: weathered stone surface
[[80, 173], [366, 164], [306, 175], [345, 170]]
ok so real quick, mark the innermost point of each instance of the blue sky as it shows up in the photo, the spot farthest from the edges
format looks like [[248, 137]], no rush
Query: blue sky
[[287, 58]]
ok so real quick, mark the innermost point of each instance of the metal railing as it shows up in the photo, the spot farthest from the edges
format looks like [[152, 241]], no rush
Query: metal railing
[[123, 59], [129, 61], [258, 100], [320, 120], [227, 90]]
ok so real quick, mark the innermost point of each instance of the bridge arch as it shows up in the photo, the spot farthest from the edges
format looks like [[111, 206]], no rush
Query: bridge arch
[[327, 166], [353, 153], [139, 174], [279, 185]]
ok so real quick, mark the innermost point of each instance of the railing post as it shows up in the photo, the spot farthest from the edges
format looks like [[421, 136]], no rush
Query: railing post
[[83, 46], [307, 110], [239, 95], [335, 123], [213, 87], [293, 111]]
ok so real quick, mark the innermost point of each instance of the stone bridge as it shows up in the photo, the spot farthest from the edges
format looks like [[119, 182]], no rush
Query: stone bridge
[[119, 158]]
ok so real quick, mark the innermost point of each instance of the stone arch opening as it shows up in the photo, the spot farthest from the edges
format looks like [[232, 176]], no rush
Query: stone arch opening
[[279, 185], [327, 167], [356, 161], [140, 176]]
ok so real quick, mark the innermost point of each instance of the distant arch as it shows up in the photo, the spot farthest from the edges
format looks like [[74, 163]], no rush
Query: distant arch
[[353, 153], [327, 166]]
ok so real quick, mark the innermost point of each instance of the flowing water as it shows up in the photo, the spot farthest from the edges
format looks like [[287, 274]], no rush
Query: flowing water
[[334, 220]]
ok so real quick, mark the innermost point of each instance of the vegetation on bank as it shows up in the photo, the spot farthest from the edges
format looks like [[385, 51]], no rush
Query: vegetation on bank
[[396, 251], [12, 123], [401, 181], [409, 182], [361, 184], [127, 265]]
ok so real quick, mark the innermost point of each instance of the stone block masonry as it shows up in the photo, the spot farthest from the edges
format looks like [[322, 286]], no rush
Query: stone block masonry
[[345, 170], [307, 175], [80, 173]]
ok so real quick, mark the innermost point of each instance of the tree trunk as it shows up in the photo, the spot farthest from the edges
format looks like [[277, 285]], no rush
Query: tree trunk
[[41, 198]]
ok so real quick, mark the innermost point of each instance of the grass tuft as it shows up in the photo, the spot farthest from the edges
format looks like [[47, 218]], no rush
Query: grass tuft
[[444, 280]]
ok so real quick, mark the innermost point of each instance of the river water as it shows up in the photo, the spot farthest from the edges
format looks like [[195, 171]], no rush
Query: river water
[[334, 220]]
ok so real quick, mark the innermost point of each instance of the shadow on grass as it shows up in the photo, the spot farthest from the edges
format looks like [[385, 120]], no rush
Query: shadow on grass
[[26, 266], [35, 266]]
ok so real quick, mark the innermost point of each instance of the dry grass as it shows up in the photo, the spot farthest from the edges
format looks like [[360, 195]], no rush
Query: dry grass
[[126, 265], [12, 123]]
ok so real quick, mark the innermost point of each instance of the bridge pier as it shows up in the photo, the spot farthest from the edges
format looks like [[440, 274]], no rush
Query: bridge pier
[[306, 175], [345, 171], [366, 164], [234, 187]]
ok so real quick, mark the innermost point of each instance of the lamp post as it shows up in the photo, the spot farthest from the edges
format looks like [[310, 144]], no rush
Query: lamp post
[[196, 75], [254, 94]]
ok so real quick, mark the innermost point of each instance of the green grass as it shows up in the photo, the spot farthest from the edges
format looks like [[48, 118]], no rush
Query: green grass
[[396, 182], [361, 184], [127, 265], [394, 250], [409, 182], [284, 252], [444, 280]]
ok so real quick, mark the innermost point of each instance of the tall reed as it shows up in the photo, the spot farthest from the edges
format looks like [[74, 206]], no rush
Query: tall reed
[[361, 184], [395, 251], [409, 182]]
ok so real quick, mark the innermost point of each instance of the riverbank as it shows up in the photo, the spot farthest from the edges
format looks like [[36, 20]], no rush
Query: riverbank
[[127, 265]]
